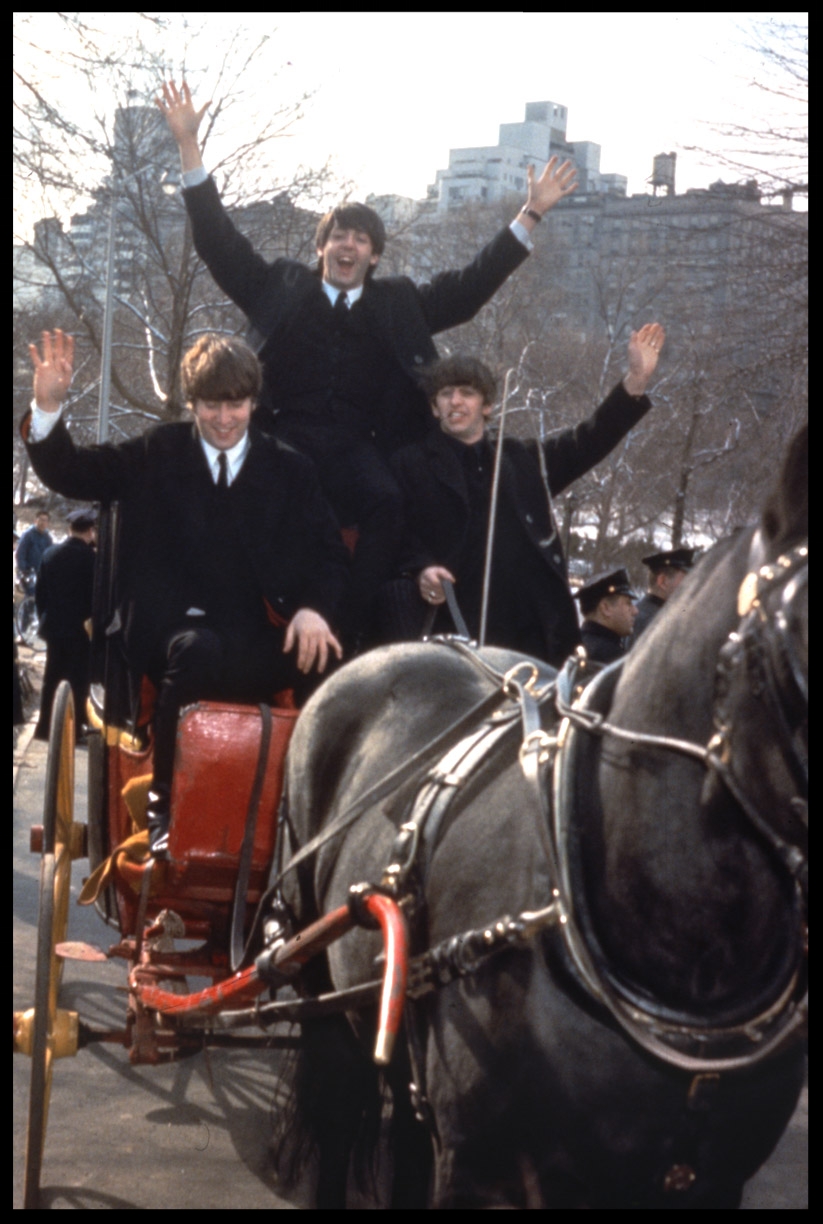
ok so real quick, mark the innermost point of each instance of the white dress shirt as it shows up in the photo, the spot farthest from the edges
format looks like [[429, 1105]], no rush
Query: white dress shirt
[[234, 458]]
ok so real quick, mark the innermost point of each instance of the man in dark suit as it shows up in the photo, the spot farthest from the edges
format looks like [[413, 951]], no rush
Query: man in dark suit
[[666, 571], [446, 483], [65, 585], [229, 560], [609, 611], [341, 351]]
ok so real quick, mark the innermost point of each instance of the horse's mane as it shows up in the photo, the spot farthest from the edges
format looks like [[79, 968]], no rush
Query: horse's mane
[[786, 513]]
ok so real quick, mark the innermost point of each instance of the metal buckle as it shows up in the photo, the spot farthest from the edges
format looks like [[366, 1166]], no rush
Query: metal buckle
[[540, 742]]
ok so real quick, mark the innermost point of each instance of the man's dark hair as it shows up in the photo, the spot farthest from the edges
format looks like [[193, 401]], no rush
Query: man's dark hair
[[459, 370], [351, 216], [220, 368]]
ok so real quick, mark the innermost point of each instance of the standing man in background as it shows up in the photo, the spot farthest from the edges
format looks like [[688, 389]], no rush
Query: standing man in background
[[609, 611], [65, 585], [666, 571], [34, 543]]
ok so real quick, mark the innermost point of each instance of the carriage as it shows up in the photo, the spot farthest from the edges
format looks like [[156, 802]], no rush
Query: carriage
[[202, 916], [615, 1018]]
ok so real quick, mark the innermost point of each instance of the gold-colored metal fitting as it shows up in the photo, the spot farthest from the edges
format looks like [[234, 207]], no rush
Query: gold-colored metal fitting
[[747, 595], [545, 743], [720, 746], [511, 674]]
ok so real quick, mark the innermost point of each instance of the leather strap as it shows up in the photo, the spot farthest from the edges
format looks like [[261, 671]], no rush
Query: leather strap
[[238, 916]]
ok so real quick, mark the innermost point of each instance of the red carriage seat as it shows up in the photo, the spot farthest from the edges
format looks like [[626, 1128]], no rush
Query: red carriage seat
[[215, 764]]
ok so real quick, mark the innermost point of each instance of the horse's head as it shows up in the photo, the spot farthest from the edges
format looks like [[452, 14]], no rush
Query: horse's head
[[761, 706]]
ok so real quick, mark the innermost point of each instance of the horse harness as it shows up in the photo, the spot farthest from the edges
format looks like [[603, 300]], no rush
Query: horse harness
[[761, 644]]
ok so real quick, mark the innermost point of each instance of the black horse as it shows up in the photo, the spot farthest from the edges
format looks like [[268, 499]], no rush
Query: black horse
[[639, 1042]]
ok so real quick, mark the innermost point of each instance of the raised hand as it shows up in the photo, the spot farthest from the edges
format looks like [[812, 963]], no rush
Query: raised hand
[[53, 371], [178, 110], [554, 184], [644, 351]]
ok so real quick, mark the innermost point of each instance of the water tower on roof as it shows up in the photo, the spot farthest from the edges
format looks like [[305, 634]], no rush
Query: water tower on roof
[[663, 172]]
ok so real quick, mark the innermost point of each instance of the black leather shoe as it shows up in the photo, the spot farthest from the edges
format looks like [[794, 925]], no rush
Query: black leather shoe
[[158, 818]]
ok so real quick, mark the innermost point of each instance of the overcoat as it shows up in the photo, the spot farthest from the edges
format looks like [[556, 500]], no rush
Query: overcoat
[[437, 504], [65, 584], [162, 483], [602, 644], [405, 315], [647, 610]]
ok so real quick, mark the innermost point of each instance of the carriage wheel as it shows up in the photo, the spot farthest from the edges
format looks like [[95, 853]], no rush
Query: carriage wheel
[[53, 1033]]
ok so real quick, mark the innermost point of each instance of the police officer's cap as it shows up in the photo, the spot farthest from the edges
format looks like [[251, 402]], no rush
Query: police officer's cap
[[81, 520], [675, 558], [615, 582]]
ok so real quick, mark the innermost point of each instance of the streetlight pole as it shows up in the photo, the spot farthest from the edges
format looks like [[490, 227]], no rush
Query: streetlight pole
[[108, 309]]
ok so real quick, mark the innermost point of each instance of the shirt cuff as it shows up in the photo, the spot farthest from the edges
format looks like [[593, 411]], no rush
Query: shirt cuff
[[522, 234], [42, 423], [193, 178]]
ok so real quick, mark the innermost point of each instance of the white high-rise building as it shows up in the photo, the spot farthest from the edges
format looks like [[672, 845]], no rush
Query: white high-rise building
[[491, 172]]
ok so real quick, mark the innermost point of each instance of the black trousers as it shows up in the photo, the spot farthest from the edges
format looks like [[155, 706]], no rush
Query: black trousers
[[67, 658], [199, 663], [364, 494]]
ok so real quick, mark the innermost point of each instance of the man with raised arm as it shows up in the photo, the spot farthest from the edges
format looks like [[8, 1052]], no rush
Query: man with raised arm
[[230, 564], [446, 482], [341, 350]]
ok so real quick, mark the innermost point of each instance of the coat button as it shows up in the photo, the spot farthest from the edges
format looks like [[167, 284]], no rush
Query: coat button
[[418, 360], [529, 519]]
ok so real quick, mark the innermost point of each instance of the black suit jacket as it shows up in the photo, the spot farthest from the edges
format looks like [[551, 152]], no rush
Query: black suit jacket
[[405, 315], [436, 503], [160, 480], [65, 584]]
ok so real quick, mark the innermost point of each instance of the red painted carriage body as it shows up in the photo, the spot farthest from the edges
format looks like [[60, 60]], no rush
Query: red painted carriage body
[[215, 764]]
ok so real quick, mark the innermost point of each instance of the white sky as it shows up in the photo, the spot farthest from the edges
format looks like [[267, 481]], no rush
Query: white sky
[[393, 92], [635, 83]]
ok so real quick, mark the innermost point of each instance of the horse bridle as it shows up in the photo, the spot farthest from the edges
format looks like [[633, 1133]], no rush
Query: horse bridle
[[759, 662], [759, 657], [762, 636]]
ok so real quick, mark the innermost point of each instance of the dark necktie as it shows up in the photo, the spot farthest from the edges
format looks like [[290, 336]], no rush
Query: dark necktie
[[223, 474], [341, 306]]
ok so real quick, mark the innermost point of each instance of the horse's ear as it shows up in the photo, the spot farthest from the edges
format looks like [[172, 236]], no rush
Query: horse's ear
[[786, 513]]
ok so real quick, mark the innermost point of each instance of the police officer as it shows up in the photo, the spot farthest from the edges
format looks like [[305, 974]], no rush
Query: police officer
[[608, 608], [65, 583], [666, 571]]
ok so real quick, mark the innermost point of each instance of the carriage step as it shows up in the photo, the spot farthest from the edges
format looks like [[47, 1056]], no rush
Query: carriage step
[[77, 950]]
